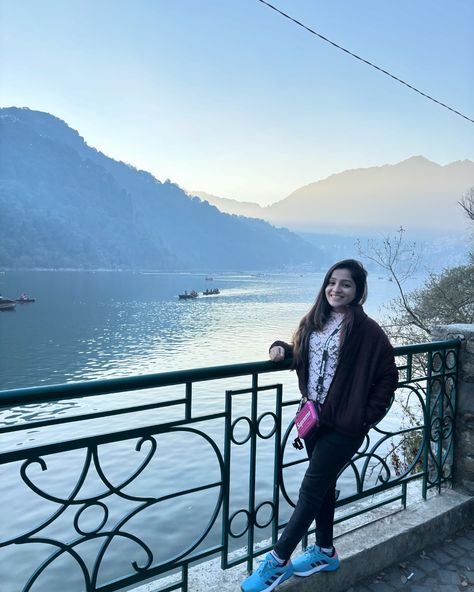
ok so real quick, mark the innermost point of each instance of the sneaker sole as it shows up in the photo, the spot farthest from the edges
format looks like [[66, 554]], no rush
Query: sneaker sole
[[278, 581], [317, 569]]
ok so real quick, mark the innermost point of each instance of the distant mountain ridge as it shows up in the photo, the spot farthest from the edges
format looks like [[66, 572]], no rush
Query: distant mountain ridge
[[415, 193], [65, 204], [231, 206]]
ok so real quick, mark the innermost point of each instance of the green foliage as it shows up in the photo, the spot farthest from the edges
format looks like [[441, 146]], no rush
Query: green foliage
[[447, 298]]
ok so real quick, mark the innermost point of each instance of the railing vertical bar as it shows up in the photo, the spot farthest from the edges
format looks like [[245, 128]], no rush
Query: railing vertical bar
[[252, 469], [227, 460], [429, 375], [189, 399], [455, 414], [278, 458], [436, 412], [441, 421], [185, 576], [409, 366], [427, 431]]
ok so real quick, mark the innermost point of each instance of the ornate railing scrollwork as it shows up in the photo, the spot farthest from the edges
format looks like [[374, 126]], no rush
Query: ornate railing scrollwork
[[97, 511]]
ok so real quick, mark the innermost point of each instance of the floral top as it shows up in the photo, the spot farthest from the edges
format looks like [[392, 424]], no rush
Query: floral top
[[318, 342]]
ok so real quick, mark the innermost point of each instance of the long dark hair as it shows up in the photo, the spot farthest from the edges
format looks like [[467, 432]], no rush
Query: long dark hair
[[318, 315]]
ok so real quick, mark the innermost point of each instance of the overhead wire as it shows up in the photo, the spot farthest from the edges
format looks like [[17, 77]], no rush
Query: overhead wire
[[386, 72]]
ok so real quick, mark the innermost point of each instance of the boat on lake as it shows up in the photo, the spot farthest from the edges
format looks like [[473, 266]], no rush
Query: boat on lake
[[7, 304], [188, 296], [24, 298], [211, 292]]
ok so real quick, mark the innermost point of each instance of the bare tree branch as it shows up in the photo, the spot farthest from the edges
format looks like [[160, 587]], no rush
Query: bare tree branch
[[400, 261], [467, 203]]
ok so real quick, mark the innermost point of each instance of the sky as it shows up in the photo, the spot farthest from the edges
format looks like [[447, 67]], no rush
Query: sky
[[231, 98]]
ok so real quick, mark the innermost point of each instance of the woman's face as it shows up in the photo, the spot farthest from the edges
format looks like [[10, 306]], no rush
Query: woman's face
[[341, 290]]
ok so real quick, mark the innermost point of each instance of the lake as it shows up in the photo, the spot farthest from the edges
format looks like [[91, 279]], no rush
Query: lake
[[91, 325]]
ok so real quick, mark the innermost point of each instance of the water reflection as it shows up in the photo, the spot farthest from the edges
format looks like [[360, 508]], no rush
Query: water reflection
[[87, 325]]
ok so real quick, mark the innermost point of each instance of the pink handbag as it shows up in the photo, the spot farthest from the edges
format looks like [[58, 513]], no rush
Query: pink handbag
[[306, 420]]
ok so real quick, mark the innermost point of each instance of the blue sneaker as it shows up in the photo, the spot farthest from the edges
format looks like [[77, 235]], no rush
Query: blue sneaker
[[314, 560], [268, 575]]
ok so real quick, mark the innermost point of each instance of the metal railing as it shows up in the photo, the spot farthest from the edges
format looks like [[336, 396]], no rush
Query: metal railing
[[99, 493]]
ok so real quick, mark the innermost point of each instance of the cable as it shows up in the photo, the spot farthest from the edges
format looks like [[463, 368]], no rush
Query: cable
[[363, 60]]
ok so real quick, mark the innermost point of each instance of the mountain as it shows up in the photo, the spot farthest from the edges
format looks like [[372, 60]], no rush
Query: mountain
[[418, 194], [231, 206], [65, 204]]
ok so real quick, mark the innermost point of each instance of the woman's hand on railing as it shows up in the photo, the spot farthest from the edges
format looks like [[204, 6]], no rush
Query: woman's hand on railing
[[277, 353]]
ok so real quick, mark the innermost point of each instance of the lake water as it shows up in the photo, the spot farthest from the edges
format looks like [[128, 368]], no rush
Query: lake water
[[91, 325]]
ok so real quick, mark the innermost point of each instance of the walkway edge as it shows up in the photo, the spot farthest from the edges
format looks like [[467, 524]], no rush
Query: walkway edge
[[364, 552], [390, 540]]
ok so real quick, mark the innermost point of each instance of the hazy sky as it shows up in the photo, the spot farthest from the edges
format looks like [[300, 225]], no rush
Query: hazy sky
[[228, 97]]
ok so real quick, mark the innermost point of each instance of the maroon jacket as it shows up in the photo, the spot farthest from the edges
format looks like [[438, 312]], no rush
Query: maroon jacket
[[365, 380]]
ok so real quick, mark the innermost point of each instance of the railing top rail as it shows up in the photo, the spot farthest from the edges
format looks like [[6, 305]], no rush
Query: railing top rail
[[74, 390], [416, 348]]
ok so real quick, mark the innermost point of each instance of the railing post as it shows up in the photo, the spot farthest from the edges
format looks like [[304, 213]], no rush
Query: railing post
[[426, 428], [464, 451]]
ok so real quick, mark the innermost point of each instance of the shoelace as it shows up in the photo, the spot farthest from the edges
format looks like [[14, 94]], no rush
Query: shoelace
[[267, 564]]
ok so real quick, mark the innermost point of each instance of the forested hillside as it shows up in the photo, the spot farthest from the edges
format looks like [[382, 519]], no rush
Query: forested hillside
[[64, 204]]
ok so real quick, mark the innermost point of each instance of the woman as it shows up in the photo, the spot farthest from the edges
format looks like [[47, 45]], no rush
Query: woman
[[344, 362]]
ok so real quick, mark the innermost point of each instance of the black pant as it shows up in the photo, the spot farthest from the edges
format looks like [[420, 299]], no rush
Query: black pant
[[328, 452]]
